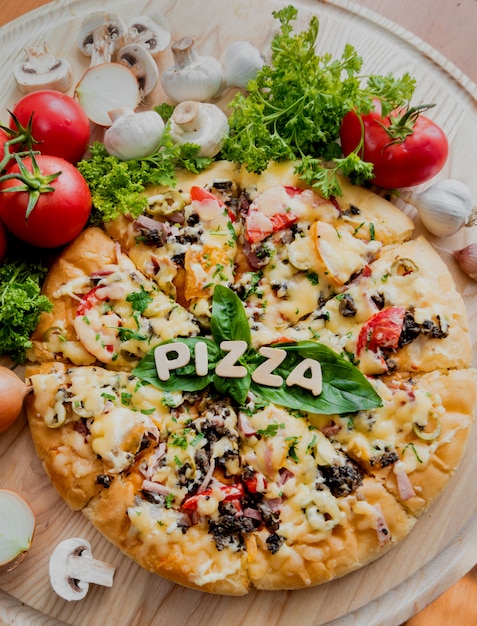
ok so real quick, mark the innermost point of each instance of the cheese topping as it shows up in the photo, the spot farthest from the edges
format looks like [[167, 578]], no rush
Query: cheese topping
[[116, 436]]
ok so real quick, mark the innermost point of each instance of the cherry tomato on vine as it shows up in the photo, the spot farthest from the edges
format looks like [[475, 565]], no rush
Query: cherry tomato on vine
[[44, 201], [59, 125], [406, 148]]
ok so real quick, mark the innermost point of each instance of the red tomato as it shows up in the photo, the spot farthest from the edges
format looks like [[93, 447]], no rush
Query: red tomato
[[59, 215], [59, 124], [230, 492], [3, 140], [259, 226], [3, 242], [382, 330], [88, 301], [199, 194], [415, 158], [255, 482]]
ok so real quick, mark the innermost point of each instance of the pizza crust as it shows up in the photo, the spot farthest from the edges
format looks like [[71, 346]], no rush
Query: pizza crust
[[190, 560], [432, 473], [353, 543], [91, 251], [67, 459]]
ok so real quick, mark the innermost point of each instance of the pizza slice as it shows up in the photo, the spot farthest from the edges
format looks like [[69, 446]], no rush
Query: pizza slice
[[104, 309], [415, 441], [401, 313]]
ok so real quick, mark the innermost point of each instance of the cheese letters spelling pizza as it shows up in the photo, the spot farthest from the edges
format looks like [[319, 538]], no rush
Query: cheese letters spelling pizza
[[251, 385]]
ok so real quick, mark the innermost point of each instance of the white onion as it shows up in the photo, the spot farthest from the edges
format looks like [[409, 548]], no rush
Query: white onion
[[17, 525], [106, 87], [12, 393]]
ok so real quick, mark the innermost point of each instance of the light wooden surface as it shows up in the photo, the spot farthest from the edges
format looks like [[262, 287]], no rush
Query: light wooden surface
[[445, 25]]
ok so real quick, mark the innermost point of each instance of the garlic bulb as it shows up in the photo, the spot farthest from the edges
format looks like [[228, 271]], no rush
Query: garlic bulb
[[201, 123], [133, 135], [444, 207], [467, 260], [242, 61], [192, 77]]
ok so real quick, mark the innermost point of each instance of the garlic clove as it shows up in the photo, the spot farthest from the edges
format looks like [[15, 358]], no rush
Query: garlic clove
[[192, 77], [242, 62], [467, 260], [444, 207]]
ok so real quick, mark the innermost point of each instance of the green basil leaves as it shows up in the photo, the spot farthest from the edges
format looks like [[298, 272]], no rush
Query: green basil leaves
[[345, 388]]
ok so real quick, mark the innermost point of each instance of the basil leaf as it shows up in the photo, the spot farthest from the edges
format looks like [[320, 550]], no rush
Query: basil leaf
[[345, 388], [235, 388], [183, 378], [229, 321]]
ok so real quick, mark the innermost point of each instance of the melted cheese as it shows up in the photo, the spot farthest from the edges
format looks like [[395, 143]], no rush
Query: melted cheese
[[116, 330], [339, 254], [391, 427], [116, 436]]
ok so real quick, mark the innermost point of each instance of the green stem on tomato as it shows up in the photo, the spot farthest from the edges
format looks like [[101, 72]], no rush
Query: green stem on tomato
[[34, 183]]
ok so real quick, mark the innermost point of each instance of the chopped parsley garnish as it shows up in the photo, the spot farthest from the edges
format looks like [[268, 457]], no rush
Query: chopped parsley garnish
[[178, 441], [140, 300], [312, 277], [125, 334], [117, 187], [270, 431]]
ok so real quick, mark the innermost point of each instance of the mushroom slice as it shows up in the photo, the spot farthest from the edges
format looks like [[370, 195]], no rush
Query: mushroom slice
[[42, 70], [151, 34], [100, 35], [142, 65]]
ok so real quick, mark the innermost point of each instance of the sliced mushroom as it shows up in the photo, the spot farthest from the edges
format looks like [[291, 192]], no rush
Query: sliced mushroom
[[72, 569], [151, 34], [142, 64], [100, 35], [42, 70]]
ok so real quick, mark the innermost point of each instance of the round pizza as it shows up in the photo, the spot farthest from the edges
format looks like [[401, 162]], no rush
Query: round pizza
[[249, 385]]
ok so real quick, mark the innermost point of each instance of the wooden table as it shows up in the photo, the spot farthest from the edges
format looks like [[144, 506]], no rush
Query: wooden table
[[445, 25]]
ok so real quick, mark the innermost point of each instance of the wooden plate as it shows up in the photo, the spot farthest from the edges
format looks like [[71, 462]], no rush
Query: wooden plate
[[442, 547]]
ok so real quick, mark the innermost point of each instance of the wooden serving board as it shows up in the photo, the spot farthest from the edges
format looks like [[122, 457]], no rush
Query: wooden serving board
[[442, 547]]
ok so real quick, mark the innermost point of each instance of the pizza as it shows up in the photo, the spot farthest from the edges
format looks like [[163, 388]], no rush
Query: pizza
[[249, 385]]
